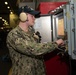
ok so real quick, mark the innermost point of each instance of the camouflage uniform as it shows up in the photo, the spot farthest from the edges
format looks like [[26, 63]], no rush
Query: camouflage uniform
[[26, 54]]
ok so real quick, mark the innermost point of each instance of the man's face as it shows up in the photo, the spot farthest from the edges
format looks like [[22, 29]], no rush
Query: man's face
[[31, 19]]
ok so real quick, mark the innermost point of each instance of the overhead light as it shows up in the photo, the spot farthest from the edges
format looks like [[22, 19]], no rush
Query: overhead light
[[3, 20], [0, 17], [11, 12], [8, 7], [1, 28], [6, 3]]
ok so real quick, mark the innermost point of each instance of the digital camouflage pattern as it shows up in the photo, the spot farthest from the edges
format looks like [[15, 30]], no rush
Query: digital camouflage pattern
[[26, 54]]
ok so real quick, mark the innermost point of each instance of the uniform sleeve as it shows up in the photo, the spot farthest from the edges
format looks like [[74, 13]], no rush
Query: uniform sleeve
[[30, 47]]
